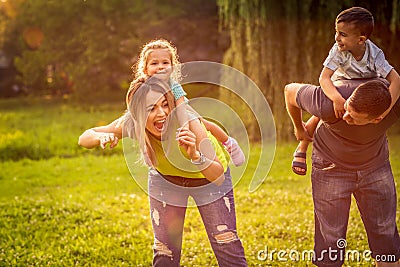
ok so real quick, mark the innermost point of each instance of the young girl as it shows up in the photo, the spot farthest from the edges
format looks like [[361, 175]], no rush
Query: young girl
[[160, 58]]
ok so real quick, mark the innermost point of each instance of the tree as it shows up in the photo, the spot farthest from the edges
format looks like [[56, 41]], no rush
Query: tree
[[85, 43]]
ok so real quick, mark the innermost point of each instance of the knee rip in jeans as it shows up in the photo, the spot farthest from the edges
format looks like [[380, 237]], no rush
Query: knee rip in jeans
[[227, 203], [161, 248], [225, 237], [156, 217]]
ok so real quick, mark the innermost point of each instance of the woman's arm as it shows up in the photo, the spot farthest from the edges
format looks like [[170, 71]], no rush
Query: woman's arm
[[196, 143], [100, 136]]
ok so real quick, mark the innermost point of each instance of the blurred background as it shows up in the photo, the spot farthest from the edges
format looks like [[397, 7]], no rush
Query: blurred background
[[84, 49]]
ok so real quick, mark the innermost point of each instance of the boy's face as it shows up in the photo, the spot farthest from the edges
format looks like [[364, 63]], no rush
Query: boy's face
[[348, 38]]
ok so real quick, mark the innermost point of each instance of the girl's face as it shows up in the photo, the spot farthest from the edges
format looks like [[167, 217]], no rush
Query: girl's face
[[158, 62], [157, 109], [348, 38]]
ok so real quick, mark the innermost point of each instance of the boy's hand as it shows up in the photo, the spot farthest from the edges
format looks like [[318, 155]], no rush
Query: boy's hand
[[338, 107]]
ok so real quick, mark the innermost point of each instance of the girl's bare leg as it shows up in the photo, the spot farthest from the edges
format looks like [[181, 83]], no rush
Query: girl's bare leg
[[230, 144]]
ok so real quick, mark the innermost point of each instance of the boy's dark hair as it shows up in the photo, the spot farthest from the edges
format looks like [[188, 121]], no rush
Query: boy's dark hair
[[360, 17], [372, 98]]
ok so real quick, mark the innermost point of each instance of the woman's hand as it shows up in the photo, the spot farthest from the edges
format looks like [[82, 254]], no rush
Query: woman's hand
[[187, 140]]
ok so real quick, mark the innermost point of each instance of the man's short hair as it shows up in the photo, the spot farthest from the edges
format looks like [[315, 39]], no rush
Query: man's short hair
[[372, 98], [360, 17]]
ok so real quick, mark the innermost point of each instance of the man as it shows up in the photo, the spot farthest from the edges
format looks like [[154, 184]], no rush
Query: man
[[350, 156]]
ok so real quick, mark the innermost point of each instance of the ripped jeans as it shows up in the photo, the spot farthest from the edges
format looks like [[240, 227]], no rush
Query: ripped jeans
[[168, 203]]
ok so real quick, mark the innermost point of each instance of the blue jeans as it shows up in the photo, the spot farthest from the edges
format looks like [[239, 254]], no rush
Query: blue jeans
[[375, 194], [168, 204]]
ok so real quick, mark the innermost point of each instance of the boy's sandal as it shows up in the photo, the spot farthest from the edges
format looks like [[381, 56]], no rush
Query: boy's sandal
[[299, 164]]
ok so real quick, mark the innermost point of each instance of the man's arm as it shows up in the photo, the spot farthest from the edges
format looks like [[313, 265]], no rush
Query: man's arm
[[295, 112]]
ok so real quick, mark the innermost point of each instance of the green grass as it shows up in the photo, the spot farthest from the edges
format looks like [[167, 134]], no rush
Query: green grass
[[61, 205]]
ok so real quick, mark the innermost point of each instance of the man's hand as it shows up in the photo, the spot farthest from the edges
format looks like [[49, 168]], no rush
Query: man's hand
[[302, 133]]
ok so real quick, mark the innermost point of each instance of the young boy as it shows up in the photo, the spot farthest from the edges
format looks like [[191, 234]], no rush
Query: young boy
[[353, 56]]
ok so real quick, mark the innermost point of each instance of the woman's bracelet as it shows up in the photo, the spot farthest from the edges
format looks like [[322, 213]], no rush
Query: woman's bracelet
[[200, 160]]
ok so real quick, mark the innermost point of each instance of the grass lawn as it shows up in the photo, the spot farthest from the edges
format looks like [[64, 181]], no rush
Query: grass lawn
[[61, 205]]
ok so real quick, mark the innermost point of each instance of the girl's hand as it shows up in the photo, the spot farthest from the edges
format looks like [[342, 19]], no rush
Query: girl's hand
[[106, 138], [187, 140]]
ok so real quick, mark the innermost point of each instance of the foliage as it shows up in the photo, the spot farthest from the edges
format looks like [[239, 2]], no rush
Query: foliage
[[70, 206], [87, 46]]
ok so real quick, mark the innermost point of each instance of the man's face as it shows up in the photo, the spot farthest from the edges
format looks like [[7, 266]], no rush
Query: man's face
[[355, 118]]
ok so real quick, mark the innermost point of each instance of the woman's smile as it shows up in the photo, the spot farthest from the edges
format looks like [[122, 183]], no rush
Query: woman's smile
[[159, 125]]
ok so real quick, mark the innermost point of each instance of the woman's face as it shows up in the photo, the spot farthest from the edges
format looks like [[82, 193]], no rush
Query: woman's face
[[157, 109]]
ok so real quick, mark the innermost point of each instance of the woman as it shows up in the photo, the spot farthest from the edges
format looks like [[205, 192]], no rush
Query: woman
[[183, 162]]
